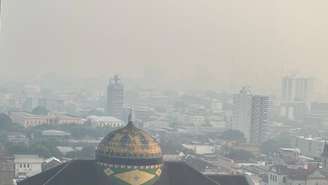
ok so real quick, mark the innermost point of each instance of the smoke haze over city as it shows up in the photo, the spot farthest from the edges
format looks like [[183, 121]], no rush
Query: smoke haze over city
[[163, 92], [185, 43]]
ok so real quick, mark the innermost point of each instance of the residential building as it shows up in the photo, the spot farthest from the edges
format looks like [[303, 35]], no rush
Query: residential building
[[282, 175], [260, 119], [309, 146], [296, 88], [252, 116], [27, 165]]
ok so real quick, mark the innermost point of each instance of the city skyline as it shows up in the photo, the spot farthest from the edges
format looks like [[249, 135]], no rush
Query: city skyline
[[148, 92]]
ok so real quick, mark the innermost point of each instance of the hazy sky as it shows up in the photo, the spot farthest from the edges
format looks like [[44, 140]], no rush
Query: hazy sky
[[220, 43]]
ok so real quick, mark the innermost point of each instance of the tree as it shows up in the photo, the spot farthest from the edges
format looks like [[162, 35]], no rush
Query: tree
[[233, 135], [5, 121], [40, 110]]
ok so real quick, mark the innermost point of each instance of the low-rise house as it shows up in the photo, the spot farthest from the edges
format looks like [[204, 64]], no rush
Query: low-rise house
[[27, 165]]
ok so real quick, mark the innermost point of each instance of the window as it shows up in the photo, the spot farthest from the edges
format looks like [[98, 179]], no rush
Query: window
[[284, 180]]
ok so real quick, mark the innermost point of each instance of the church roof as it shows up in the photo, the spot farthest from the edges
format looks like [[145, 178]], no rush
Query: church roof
[[83, 172]]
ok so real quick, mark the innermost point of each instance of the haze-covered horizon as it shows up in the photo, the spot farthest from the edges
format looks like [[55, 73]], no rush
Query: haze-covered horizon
[[174, 43]]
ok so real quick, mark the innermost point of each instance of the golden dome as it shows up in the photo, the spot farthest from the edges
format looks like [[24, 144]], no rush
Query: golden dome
[[129, 146]]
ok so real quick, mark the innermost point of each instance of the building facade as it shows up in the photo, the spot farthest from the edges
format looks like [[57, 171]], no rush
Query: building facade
[[309, 146], [242, 112], [252, 116], [27, 165], [104, 121], [30, 120], [260, 119], [115, 97], [295, 88]]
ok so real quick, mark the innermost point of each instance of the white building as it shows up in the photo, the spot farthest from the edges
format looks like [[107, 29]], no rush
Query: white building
[[281, 175], [252, 116], [30, 120], [296, 88], [105, 121], [27, 165], [309, 146]]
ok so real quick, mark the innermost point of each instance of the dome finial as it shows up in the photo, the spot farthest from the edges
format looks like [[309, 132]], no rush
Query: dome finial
[[131, 116]]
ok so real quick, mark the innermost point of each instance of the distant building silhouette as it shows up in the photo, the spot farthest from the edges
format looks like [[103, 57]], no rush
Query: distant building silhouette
[[297, 93], [115, 97], [295, 88]]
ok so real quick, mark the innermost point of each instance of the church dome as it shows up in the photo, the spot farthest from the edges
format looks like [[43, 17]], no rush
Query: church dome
[[130, 155], [129, 146]]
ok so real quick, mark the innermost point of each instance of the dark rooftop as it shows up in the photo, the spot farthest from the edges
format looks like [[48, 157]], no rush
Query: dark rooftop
[[83, 172]]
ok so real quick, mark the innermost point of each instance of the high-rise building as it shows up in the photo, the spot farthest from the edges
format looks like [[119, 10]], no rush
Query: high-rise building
[[242, 111], [295, 88], [261, 119], [252, 116], [297, 93], [115, 97]]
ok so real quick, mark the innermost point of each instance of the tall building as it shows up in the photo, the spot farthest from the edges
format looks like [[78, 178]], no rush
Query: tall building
[[115, 97], [297, 93], [252, 116], [242, 111], [295, 88], [261, 119]]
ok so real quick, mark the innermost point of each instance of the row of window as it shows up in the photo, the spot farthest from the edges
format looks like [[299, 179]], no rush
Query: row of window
[[24, 165], [273, 178]]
